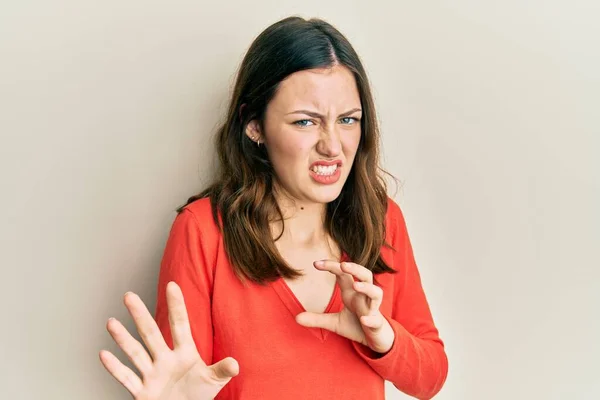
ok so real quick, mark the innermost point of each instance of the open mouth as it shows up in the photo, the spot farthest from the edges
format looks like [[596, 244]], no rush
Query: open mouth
[[326, 173], [324, 170]]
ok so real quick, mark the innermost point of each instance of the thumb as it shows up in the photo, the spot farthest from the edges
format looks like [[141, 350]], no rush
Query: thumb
[[225, 369], [315, 320]]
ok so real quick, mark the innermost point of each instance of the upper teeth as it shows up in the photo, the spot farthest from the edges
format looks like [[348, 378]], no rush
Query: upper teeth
[[324, 170]]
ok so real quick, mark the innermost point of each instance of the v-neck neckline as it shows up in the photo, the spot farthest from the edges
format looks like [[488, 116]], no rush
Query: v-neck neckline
[[295, 307]]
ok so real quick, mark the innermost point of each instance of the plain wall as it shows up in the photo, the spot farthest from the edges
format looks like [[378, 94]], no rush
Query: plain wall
[[489, 114]]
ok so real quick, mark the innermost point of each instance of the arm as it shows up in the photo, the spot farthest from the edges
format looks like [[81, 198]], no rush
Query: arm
[[188, 260], [417, 363]]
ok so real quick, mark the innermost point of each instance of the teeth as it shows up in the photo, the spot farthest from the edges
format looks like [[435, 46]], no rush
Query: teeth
[[324, 170]]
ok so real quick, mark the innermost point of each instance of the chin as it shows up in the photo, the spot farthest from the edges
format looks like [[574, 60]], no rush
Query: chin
[[326, 194]]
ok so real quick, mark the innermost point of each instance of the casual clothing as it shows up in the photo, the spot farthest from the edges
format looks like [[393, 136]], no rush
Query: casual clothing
[[280, 359]]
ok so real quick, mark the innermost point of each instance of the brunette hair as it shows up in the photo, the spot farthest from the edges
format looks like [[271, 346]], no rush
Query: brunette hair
[[242, 194]]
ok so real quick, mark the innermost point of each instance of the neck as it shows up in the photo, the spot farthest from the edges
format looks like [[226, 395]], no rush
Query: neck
[[304, 222]]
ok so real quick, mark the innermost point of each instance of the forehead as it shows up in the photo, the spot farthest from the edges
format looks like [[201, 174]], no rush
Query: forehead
[[322, 88]]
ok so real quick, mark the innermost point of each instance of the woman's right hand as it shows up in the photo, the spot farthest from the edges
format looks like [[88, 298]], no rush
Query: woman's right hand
[[166, 374]]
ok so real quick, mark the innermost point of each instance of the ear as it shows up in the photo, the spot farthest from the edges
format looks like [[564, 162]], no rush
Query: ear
[[253, 131]]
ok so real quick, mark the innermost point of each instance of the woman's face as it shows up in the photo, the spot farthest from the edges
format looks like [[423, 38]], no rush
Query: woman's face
[[311, 132]]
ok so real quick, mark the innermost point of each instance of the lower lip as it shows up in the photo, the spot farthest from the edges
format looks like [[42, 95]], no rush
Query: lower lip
[[326, 179]]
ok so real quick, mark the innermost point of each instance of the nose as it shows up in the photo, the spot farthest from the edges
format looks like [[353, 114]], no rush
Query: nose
[[329, 144]]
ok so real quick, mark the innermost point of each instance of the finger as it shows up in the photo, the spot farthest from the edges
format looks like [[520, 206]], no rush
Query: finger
[[146, 325], [358, 271], [373, 292], [315, 320], [121, 373], [373, 322], [134, 349], [178, 317], [345, 280], [225, 369]]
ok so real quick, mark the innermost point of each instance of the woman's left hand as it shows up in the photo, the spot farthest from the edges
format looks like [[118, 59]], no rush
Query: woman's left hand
[[360, 319]]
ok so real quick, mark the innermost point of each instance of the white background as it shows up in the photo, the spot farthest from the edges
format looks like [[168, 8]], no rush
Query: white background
[[490, 119]]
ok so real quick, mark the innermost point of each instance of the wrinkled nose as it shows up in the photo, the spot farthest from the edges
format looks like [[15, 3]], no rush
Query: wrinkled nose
[[329, 143]]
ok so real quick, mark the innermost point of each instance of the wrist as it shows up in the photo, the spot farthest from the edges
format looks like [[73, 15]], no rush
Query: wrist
[[385, 338]]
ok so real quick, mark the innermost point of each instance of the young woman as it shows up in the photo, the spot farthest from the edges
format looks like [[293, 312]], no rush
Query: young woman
[[296, 268]]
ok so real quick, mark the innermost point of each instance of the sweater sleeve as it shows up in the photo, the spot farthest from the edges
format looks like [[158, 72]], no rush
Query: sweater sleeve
[[188, 259], [416, 363]]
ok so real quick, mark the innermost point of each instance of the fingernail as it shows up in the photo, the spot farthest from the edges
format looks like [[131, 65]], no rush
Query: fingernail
[[319, 263]]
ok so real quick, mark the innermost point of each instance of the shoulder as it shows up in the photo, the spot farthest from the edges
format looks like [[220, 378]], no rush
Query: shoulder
[[200, 208], [393, 210], [198, 215], [394, 221]]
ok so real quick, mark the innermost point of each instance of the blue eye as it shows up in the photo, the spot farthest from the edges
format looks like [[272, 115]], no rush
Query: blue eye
[[302, 122], [352, 120]]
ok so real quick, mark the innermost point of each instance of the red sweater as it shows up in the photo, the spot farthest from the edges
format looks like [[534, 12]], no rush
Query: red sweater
[[278, 358]]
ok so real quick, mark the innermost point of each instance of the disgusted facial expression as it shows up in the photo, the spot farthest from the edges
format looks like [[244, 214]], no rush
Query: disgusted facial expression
[[311, 132]]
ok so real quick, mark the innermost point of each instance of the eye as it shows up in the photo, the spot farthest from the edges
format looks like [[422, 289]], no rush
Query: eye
[[349, 120], [303, 122]]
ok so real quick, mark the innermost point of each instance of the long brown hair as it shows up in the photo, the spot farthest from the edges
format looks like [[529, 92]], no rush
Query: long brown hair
[[242, 194]]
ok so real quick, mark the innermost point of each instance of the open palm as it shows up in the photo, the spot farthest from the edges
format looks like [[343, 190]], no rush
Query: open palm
[[178, 374]]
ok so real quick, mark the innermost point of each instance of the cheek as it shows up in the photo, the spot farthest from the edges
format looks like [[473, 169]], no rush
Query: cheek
[[289, 149], [350, 143]]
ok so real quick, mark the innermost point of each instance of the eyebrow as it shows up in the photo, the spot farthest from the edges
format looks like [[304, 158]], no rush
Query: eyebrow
[[317, 115]]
